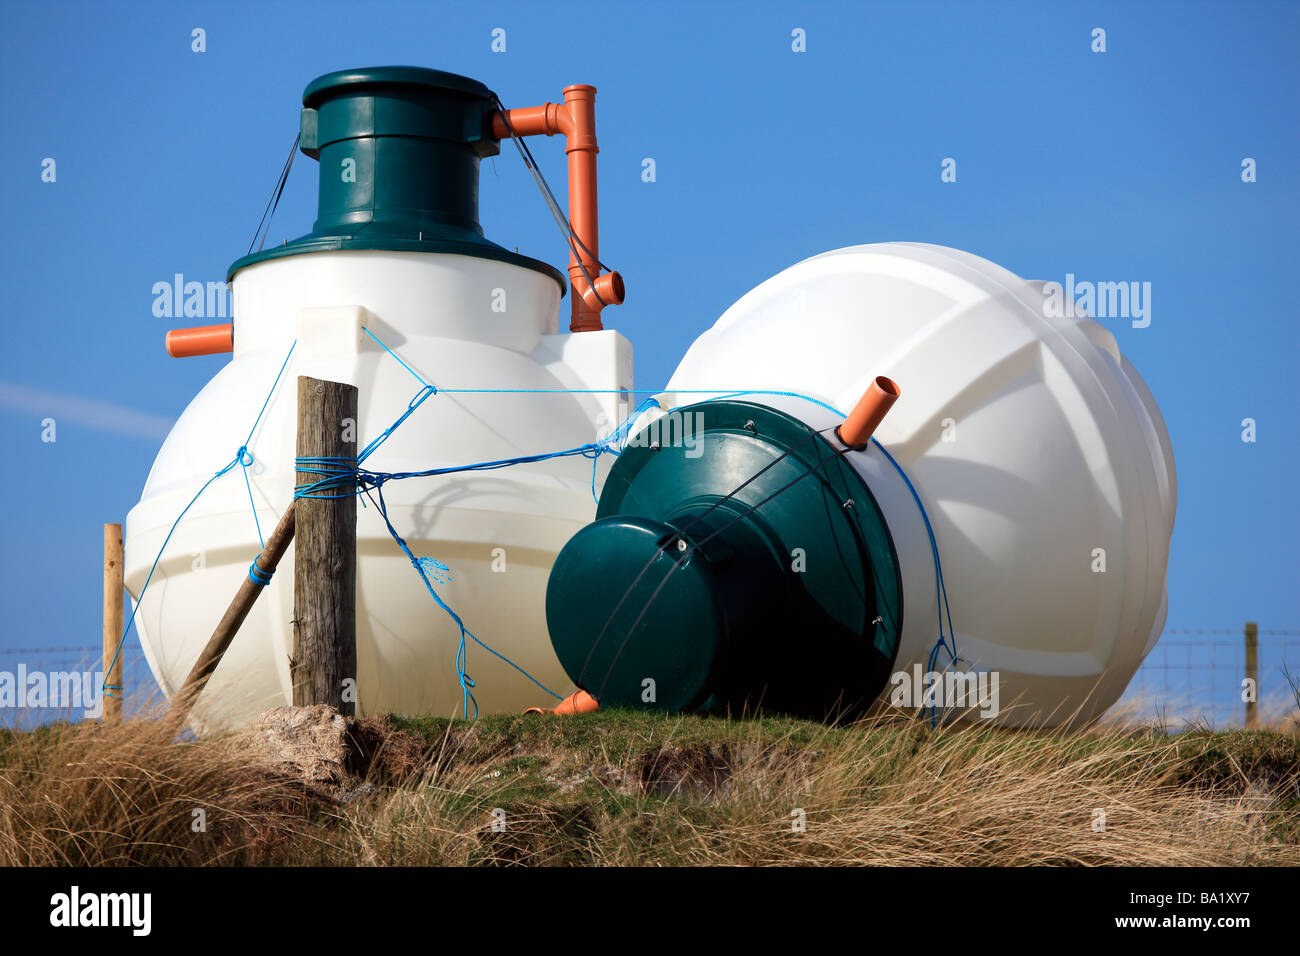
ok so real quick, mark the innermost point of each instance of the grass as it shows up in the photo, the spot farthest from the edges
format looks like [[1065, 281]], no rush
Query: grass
[[626, 788]]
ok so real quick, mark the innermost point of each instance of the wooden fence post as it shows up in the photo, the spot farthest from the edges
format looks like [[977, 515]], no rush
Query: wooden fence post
[[323, 668], [111, 688], [1252, 674]]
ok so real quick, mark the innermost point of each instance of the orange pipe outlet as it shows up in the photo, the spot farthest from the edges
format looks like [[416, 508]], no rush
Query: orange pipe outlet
[[545, 120], [872, 407], [579, 702], [576, 120], [201, 340], [607, 289]]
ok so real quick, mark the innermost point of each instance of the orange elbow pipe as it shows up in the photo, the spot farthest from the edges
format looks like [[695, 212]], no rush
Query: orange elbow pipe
[[545, 120], [879, 398], [576, 119], [579, 702], [606, 290], [201, 340]]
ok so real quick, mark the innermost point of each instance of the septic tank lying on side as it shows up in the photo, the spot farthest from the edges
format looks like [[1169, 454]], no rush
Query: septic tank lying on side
[[744, 555]]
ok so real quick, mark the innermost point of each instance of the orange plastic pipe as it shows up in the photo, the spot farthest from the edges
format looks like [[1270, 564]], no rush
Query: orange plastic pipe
[[545, 120], [575, 119], [872, 407], [201, 340], [579, 702]]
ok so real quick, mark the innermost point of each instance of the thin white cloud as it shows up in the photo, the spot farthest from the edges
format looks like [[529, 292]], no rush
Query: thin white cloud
[[91, 413]]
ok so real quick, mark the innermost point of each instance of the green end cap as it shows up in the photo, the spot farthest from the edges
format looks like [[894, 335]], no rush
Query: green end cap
[[784, 593], [399, 150]]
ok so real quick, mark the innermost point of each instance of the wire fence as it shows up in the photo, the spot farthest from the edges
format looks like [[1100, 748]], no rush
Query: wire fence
[[39, 685], [1198, 675], [1193, 676]]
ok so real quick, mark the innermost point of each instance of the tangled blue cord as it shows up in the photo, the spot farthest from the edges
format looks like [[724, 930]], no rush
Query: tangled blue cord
[[426, 568], [338, 474], [341, 477]]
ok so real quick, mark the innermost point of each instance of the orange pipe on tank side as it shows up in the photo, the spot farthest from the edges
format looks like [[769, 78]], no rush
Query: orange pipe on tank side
[[579, 702], [576, 119], [872, 407], [201, 340]]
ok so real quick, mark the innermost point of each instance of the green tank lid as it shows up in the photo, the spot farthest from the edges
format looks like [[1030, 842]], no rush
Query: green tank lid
[[686, 625], [399, 150], [724, 590]]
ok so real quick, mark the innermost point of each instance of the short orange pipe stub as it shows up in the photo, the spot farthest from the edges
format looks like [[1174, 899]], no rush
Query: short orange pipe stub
[[879, 398], [579, 702], [545, 120], [201, 340]]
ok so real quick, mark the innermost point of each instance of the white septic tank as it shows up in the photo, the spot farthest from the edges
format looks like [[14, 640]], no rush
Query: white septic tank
[[1034, 445], [395, 254]]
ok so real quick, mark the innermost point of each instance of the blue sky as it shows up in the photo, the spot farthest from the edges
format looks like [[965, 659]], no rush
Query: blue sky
[[1123, 165]]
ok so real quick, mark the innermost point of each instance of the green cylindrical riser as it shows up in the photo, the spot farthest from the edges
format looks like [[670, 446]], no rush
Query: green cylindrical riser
[[399, 151]]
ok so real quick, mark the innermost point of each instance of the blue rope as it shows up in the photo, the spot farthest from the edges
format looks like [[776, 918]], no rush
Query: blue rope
[[257, 575], [339, 473], [245, 453], [340, 477], [426, 566], [241, 454], [394, 355], [239, 459], [941, 589], [716, 393], [416, 402]]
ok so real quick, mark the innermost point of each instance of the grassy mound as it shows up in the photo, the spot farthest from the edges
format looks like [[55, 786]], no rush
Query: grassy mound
[[626, 788]]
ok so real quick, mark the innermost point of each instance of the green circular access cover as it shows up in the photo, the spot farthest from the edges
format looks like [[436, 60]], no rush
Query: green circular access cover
[[737, 561], [686, 620], [381, 77]]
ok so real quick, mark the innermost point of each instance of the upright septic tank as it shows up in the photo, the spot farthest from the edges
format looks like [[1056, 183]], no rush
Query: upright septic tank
[[395, 260], [745, 553]]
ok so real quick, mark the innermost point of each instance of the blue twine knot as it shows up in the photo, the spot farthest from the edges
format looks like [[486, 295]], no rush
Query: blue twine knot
[[257, 575], [436, 569]]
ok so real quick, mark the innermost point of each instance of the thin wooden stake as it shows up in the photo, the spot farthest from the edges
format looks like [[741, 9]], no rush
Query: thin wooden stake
[[1252, 673], [245, 597], [112, 690]]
